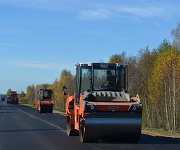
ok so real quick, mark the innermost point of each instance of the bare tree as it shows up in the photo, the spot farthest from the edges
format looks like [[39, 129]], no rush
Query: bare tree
[[176, 36]]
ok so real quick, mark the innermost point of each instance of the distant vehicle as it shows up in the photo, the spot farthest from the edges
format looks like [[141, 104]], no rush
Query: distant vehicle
[[12, 98], [3, 97], [45, 103]]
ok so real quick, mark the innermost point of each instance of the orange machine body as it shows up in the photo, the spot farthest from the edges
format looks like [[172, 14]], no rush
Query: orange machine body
[[101, 108], [45, 103], [124, 109]]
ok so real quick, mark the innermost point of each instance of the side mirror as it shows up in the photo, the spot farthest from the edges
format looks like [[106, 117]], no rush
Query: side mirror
[[64, 90]]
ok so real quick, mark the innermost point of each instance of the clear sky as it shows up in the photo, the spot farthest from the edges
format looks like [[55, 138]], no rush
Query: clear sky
[[40, 38]]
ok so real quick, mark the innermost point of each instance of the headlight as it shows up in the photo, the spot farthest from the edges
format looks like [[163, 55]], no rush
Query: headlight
[[90, 107]]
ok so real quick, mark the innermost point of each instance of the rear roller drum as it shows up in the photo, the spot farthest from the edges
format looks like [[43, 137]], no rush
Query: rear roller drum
[[82, 132], [70, 128], [41, 109]]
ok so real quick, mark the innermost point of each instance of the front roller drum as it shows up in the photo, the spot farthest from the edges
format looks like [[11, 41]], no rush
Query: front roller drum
[[128, 129], [50, 109]]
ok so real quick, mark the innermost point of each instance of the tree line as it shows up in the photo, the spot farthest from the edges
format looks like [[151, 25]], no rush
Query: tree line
[[153, 74]]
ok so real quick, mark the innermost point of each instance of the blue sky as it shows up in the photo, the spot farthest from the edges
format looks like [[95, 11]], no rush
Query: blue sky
[[40, 38]]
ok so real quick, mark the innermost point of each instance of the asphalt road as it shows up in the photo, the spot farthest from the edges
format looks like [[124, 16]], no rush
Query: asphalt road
[[22, 128]]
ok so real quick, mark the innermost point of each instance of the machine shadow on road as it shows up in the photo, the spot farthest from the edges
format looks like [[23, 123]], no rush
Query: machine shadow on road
[[144, 139]]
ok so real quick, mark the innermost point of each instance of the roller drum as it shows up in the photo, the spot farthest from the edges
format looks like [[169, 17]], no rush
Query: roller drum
[[123, 128]]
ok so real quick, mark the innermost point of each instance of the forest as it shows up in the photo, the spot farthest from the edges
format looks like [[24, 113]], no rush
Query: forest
[[152, 74]]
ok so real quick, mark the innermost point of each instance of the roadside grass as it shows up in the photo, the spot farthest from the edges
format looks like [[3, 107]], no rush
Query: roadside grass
[[160, 132]]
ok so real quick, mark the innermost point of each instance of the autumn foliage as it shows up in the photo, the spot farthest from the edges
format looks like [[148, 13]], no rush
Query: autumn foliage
[[153, 74]]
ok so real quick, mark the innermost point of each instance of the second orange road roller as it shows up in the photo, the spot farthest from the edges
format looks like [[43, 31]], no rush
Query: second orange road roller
[[45, 103]]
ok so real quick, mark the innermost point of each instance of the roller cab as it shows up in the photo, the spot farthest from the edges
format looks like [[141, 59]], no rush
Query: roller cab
[[45, 103], [101, 105]]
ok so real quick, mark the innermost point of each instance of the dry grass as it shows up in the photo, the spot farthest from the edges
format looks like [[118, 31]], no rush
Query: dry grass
[[160, 132]]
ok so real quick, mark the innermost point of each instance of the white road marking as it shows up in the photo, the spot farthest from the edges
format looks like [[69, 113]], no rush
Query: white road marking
[[61, 129]]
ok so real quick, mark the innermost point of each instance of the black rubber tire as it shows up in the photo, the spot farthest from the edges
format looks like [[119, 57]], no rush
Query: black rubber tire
[[37, 110], [82, 132], [70, 128], [41, 109]]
